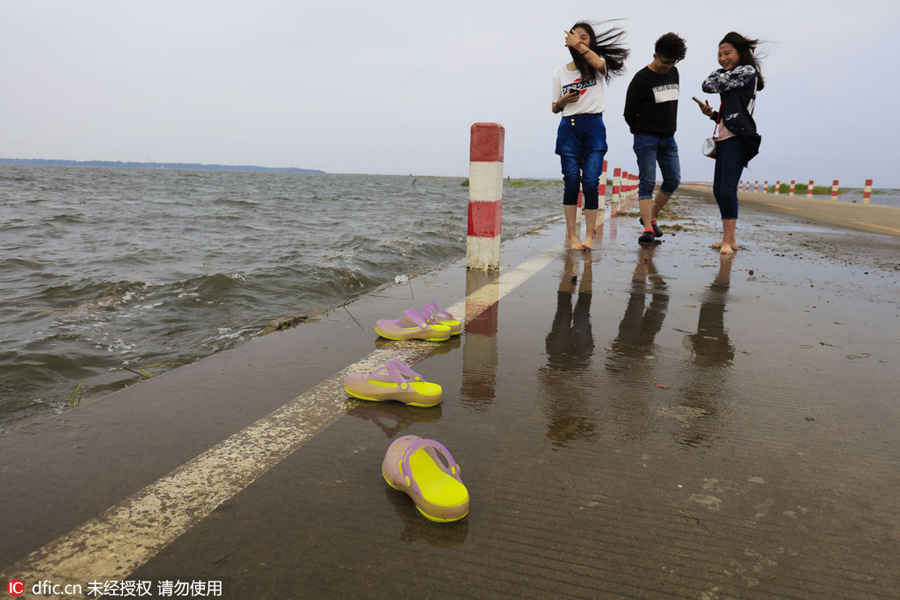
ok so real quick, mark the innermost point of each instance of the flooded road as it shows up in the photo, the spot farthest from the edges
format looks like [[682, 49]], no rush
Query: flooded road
[[629, 422]]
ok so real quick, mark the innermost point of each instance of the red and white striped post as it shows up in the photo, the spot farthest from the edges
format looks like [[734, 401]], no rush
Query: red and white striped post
[[756, 186], [791, 192], [809, 190], [617, 174], [834, 191], [601, 188], [777, 187], [766, 187], [867, 192], [485, 196]]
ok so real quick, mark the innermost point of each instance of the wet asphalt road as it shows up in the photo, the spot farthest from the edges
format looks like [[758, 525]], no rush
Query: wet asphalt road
[[630, 422]]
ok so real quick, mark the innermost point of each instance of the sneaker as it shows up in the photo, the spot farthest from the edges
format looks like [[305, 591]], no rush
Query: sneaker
[[656, 230], [646, 238]]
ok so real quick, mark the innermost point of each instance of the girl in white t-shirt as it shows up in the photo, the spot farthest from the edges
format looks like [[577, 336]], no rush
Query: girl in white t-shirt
[[581, 136]]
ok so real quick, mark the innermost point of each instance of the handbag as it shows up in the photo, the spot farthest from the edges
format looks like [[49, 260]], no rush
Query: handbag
[[710, 144]]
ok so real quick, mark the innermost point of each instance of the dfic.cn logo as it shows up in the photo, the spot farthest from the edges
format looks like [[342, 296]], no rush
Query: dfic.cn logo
[[16, 587]]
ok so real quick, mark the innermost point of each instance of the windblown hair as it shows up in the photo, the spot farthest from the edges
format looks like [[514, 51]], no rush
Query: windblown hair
[[671, 45], [609, 46], [746, 48]]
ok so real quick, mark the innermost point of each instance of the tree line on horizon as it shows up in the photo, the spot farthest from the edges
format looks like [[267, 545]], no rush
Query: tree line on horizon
[[149, 165]]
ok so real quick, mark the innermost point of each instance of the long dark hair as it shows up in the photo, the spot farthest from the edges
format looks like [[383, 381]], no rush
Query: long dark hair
[[608, 45], [746, 48]]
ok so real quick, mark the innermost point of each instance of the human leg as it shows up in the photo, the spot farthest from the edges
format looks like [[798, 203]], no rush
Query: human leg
[[729, 243], [645, 150], [569, 149], [573, 240], [581, 144], [730, 162], [590, 182], [571, 169], [593, 133], [670, 167]]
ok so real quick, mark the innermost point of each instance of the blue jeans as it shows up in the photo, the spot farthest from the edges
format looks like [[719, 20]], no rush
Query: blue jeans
[[651, 149], [581, 145], [731, 158]]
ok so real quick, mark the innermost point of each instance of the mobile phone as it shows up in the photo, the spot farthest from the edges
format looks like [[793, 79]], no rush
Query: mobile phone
[[697, 100]]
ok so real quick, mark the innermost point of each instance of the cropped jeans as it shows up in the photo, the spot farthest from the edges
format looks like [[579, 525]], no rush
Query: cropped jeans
[[731, 158], [652, 149], [581, 145]]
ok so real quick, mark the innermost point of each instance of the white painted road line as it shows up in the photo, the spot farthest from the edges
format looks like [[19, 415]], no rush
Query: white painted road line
[[113, 544]]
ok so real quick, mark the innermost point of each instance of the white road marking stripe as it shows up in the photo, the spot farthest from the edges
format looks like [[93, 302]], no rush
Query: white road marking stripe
[[113, 544]]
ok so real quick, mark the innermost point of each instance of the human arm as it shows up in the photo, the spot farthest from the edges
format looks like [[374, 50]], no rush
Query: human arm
[[573, 41], [560, 100], [721, 80], [632, 101], [705, 108], [559, 104]]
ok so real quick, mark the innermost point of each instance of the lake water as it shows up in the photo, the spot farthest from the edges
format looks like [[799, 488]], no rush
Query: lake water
[[106, 272]]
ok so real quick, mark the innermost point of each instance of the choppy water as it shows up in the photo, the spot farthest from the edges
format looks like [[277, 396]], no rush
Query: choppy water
[[105, 270]]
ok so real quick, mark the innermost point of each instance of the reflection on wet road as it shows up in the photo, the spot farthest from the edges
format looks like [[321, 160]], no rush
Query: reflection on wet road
[[570, 347]]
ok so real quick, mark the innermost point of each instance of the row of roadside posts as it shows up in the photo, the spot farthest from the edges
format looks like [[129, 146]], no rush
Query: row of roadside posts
[[835, 187], [486, 194]]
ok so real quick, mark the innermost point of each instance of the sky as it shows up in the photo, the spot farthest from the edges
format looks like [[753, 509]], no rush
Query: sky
[[393, 87]]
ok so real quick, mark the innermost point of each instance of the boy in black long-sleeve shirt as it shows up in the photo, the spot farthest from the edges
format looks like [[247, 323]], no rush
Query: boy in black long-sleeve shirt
[[651, 111]]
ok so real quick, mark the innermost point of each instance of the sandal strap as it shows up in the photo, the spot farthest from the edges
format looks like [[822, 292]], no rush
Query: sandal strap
[[396, 371], [451, 469], [401, 373], [436, 312], [416, 316]]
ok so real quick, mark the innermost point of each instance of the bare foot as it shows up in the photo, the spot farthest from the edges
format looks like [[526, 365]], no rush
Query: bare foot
[[719, 245], [588, 244], [725, 248], [575, 243]]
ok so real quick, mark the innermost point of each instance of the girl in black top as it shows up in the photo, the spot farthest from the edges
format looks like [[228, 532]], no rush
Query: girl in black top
[[737, 83]]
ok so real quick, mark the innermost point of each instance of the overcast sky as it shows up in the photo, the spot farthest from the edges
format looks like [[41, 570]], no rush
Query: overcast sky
[[393, 87]]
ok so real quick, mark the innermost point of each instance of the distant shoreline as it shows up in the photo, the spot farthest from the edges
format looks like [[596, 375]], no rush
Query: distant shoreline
[[149, 165]]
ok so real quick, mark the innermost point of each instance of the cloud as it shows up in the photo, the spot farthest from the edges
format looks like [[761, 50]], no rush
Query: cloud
[[393, 87]]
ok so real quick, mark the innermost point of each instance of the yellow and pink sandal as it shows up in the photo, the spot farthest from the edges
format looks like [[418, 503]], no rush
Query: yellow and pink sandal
[[435, 314], [427, 473], [414, 325], [394, 381]]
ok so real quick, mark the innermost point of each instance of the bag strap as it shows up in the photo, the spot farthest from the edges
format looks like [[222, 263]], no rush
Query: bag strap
[[716, 126]]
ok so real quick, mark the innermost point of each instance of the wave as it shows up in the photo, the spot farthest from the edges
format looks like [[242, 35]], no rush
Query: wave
[[114, 270]]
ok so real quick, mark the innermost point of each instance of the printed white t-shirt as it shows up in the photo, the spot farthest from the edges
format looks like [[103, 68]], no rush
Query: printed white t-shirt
[[591, 94]]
